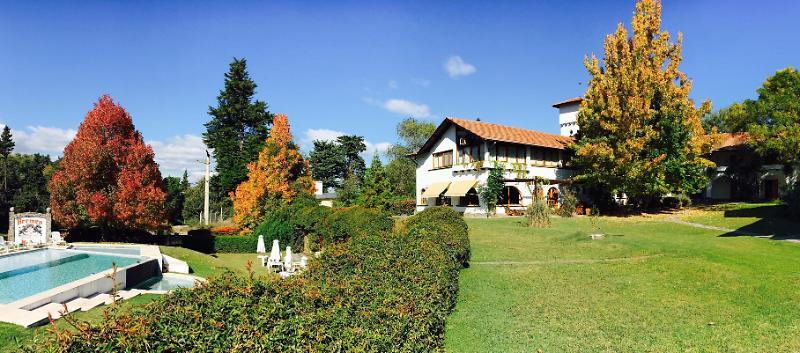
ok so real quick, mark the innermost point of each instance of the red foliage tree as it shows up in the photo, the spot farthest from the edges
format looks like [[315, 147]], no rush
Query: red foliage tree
[[108, 176]]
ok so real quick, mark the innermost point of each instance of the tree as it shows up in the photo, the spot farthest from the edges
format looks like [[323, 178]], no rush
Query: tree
[[327, 163], [351, 148], [193, 203], [276, 178], [401, 169], [108, 177], [494, 186], [734, 118], [640, 133], [6, 146], [238, 126], [775, 118], [376, 192], [175, 199], [348, 192]]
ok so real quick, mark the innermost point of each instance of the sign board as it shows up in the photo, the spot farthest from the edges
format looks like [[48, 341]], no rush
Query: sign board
[[29, 227]]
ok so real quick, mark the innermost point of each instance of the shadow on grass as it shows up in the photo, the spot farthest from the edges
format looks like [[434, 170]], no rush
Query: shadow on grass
[[771, 223]]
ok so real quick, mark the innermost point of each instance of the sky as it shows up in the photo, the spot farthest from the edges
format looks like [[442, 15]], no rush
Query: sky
[[347, 67]]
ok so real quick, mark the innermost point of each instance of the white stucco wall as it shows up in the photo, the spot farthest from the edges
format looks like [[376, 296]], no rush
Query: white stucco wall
[[568, 118], [425, 177]]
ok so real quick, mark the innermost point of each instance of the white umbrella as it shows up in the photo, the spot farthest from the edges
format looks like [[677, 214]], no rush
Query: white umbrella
[[275, 254], [287, 259], [260, 248]]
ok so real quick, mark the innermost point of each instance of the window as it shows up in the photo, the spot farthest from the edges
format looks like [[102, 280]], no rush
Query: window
[[470, 199], [509, 196], [510, 153], [469, 154], [442, 159]]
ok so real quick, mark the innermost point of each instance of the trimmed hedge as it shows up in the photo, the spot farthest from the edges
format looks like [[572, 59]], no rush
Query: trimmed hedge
[[444, 225], [401, 207], [356, 221], [203, 241], [378, 292]]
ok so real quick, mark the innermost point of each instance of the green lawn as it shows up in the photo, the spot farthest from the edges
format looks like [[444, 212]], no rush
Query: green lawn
[[762, 218], [649, 286]]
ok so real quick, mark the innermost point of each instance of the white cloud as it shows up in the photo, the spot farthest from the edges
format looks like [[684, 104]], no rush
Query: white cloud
[[41, 139], [421, 82], [179, 153], [393, 84], [456, 67], [409, 108]]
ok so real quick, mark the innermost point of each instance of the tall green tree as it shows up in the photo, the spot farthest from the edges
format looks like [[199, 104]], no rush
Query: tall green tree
[[238, 127], [176, 197], [375, 191], [351, 148], [6, 146], [640, 133], [775, 125], [490, 190], [327, 163], [401, 169]]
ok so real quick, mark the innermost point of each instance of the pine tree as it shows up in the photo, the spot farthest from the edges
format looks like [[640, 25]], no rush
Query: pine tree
[[352, 146], [238, 127], [6, 147], [640, 133], [327, 163], [376, 191], [277, 177], [108, 176]]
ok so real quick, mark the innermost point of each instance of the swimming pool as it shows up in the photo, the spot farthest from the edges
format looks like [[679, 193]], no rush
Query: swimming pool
[[28, 273]]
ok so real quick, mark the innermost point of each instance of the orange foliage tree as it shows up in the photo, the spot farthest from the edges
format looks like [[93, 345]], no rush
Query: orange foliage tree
[[108, 176], [278, 175]]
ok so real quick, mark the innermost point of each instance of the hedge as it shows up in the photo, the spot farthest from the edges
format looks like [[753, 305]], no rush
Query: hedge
[[444, 225], [356, 221], [378, 292], [203, 241]]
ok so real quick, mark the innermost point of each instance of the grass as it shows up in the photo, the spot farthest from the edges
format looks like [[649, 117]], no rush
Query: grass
[[762, 218], [12, 336], [648, 286]]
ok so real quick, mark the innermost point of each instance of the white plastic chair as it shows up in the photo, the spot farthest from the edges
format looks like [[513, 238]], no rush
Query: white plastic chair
[[56, 238]]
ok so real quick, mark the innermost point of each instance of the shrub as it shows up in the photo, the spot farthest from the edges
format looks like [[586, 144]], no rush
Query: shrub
[[401, 207], [676, 201], [204, 241], [538, 214], [278, 225], [356, 221], [443, 225], [379, 292], [792, 200], [225, 230], [290, 224], [568, 204]]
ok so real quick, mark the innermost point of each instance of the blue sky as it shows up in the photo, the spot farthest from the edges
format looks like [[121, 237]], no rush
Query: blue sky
[[348, 67]]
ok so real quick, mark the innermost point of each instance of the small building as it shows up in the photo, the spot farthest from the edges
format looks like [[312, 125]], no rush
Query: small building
[[568, 115], [457, 158], [741, 174], [324, 198]]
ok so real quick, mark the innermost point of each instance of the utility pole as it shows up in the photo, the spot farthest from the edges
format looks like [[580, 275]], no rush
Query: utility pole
[[208, 182]]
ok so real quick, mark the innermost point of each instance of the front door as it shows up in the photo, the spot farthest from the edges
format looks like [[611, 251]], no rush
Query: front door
[[771, 189]]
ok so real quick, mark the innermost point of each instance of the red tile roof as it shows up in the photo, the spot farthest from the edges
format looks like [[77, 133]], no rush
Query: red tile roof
[[502, 133], [568, 101], [731, 140]]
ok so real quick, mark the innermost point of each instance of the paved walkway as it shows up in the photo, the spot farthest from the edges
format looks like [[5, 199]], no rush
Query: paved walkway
[[794, 238]]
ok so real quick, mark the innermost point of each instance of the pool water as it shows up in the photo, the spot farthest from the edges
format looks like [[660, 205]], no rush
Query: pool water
[[119, 250], [25, 274], [166, 283]]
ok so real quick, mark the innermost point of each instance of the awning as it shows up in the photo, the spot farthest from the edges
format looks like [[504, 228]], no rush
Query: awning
[[460, 188], [435, 189]]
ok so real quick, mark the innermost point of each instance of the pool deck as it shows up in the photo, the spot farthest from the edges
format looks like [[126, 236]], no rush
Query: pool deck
[[83, 294]]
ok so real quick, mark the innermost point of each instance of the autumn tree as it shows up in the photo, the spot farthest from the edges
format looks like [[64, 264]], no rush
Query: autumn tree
[[277, 177], [108, 177], [238, 127], [640, 133]]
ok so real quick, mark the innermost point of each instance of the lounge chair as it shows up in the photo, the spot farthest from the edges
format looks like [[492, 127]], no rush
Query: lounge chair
[[56, 238]]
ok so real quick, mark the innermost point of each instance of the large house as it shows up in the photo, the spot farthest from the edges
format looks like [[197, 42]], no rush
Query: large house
[[457, 158]]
